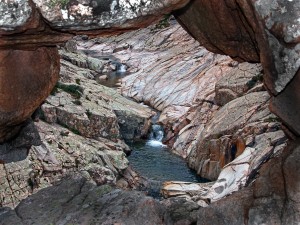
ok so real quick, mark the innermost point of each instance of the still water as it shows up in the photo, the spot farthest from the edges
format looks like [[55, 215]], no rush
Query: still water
[[152, 159]]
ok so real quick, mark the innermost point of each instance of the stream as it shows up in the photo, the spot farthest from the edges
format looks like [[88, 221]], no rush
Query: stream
[[154, 160], [150, 158]]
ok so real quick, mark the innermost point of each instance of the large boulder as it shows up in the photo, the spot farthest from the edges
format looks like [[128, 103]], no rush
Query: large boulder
[[27, 78]]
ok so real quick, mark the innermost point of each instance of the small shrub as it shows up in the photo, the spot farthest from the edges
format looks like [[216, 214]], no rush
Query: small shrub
[[164, 22], [77, 80], [73, 89], [251, 83], [61, 3]]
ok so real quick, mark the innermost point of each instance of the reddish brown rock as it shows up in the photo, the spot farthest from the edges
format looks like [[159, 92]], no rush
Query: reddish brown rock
[[221, 27], [26, 79], [265, 31]]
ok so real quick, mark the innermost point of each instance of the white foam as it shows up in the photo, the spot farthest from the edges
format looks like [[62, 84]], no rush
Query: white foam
[[155, 143]]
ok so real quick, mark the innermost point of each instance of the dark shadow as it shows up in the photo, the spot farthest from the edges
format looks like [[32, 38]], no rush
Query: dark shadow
[[17, 149]]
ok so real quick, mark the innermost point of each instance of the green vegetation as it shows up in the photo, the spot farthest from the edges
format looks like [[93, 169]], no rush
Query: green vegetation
[[75, 90], [77, 80], [251, 83], [61, 3], [164, 22], [271, 119]]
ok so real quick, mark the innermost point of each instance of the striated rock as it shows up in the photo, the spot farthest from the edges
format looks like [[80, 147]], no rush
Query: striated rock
[[33, 25], [39, 158], [215, 146], [251, 31], [35, 76], [268, 201], [240, 80]]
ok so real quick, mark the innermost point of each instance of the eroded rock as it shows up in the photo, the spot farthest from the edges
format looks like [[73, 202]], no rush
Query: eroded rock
[[25, 86]]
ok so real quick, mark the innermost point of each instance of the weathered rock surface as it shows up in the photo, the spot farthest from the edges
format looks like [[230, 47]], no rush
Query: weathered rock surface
[[75, 200], [252, 31], [85, 125], [93, 110], [34, 25], [270, 200], [228, 144], [265, 31], [27, 24], [24, 84]]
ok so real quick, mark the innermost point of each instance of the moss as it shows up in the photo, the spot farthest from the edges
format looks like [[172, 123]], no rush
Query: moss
[[73, 89], [54, 91], [164, 22], [251, 83], [77, 80], [61, 3], [271, 119]]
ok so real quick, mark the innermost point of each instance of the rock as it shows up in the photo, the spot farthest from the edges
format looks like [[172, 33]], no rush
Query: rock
[[286, 104], [249, 31], [267, 201], [76, 200], [58, 19], [236, 83], [37, 159], [24, 87], [60, 152], [17, 149], [92, 110]]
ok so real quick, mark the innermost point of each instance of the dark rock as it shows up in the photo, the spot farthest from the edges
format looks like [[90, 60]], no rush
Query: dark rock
[[74, 200]]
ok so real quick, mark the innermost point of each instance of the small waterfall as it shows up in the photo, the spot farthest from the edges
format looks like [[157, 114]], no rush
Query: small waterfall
[[121, 68], [156, 136]]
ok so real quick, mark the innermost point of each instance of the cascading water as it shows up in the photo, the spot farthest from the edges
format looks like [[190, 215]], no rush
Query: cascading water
[[156, 136], [121, 68], [153, 159]]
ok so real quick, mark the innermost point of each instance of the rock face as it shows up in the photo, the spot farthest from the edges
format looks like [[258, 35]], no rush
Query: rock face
[[34, 25], [82, 135], [265, 31], [222, 125]]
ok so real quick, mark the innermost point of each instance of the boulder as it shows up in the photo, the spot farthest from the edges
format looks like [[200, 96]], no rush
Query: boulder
[[27, 78]]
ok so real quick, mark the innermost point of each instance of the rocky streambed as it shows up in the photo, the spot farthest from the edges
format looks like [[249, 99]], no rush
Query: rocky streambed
[[73, 167]]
